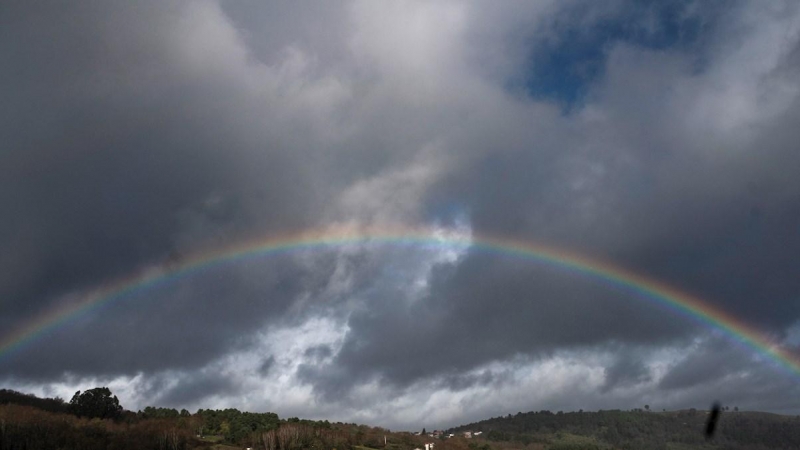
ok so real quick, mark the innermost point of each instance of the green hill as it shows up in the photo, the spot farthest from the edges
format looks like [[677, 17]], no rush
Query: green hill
[[639, 429]]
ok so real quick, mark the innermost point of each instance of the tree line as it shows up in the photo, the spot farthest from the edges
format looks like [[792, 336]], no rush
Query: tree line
[[642, 429], [94, 419]]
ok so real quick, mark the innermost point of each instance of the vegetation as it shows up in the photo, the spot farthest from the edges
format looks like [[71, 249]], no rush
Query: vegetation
[[8, 396], [96, 403], [95, 420], [640, 429], [27, 427]]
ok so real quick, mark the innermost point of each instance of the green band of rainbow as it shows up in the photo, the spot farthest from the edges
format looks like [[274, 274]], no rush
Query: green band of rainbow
[[643, 287]]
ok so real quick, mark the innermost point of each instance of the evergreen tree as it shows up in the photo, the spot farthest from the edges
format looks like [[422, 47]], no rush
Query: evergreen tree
[[97, 402]]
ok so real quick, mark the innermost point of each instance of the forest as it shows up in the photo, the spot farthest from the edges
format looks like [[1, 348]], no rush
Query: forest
[[94, 419], [640, 429]]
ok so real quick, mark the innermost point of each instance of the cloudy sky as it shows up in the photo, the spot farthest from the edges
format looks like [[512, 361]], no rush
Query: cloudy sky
[[660, 137]]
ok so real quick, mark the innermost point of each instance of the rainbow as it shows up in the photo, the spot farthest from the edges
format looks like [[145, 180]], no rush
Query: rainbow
[[620, 278]]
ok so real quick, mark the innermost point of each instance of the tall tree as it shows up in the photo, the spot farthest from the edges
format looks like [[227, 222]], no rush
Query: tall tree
[[97, 402]]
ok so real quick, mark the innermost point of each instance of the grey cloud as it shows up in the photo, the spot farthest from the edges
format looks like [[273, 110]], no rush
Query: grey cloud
[[137, 134], [713, 369], [487, 309], [188, 322], [122, 154], [637, 186], [459, 382], [195, 388], [318, 352], [266, 365], [709, 363], [268, 30], [626, 370]]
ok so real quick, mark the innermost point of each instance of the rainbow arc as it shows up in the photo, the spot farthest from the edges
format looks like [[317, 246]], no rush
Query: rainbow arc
[[642, 287]]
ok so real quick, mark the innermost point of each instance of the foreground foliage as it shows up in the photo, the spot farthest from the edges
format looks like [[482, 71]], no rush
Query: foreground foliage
[[26, 427]]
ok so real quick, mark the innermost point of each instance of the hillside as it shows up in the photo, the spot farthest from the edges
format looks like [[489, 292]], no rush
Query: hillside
[[638, 429]]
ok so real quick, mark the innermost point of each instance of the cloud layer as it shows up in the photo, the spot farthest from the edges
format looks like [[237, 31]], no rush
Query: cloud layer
[[660, 138]]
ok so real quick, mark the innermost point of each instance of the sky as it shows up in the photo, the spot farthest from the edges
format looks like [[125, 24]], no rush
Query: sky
[[655, 137]]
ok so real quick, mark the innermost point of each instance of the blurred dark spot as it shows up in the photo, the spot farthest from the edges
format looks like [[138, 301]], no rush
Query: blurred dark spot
[[713, 417]]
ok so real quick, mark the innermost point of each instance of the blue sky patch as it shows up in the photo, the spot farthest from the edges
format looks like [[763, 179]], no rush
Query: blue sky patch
[[563, 68]]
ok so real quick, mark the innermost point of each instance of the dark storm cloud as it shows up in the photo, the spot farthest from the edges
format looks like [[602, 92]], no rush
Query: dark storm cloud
[[119, 154], [266, 365], [487, 309], [673, 223], [708, 362], [458, 382], [137, 134], [179, 389], [182, 325], [626, 370], [194, 388], [638, 189], [711, 369]]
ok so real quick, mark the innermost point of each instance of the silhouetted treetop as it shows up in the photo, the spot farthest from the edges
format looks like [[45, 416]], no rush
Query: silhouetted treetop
[[97, 402]]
